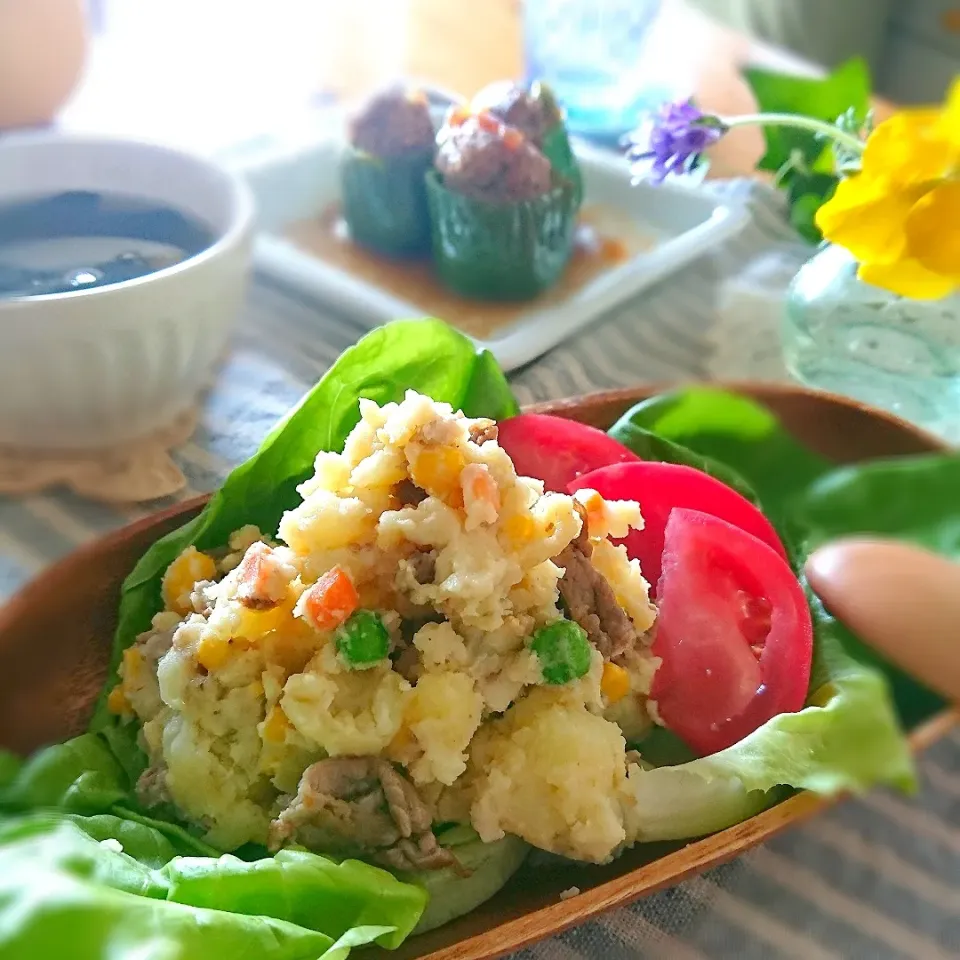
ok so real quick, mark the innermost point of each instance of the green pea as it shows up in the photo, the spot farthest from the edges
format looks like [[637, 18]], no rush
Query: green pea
[[563, 650], [363, 640]]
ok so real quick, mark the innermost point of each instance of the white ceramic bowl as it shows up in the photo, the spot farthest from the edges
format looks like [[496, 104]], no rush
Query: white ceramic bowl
[[98, 367]]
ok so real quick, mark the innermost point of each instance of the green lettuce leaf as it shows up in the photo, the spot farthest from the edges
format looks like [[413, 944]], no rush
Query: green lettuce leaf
[[301, 888], [423, 355], [80, 776], [146, 845], [490, 864], [10, 767], [848, 739], [97, 887]]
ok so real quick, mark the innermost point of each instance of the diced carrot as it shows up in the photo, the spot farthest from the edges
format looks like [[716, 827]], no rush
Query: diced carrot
[[458, 115], [512, 138], [595, 506], [479, 486], [261, 583], [331, 599], [489, 123]]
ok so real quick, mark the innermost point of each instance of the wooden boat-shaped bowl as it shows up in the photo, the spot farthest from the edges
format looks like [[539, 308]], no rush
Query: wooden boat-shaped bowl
[[55, 637]]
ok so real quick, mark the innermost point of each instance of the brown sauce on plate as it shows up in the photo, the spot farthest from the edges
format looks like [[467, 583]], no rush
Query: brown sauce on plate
[[606, 238]]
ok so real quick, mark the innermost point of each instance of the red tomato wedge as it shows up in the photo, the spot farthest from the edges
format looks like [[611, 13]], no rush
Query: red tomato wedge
[[556, 450], [660, 488], [734, 633]]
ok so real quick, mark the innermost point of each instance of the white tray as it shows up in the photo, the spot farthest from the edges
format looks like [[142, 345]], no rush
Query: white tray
[[296, 184]]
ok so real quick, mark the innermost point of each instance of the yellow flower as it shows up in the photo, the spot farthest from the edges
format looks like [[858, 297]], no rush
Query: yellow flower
[[900, 214]]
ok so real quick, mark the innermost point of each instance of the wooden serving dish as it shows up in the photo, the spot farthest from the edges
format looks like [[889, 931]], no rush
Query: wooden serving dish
[[55, 636]]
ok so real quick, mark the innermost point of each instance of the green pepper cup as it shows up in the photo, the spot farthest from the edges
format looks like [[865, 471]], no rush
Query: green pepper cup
[[501, 251], [385, 203], [556, 141], [556, 148]]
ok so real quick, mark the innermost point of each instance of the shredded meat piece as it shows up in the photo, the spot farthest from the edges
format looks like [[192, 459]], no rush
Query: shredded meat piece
[[352, 806], [407, 663], [153, 645], [409, 494], [590, 600], [200, 600], [441, 432], [409, 812], [424, 565], [482, 431], [152, 787], [406, 657], [422, 853]]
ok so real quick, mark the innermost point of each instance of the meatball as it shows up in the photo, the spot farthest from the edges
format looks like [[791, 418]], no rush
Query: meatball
[[532, 112], [480, 158], [393, 123]]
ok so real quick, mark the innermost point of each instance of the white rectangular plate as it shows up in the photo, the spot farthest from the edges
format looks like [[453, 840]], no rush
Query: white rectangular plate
[[681, 221]]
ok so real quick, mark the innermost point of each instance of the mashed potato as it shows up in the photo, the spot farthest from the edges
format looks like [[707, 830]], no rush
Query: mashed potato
[[400, 615]]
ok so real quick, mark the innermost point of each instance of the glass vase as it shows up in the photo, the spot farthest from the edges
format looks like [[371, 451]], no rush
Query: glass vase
[[899, 354]]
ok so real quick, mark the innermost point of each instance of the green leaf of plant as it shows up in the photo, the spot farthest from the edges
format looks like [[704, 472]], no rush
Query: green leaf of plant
[[803, 212], [736, 434], [823, 98], [913, 499], [652, 446], [806, 194]]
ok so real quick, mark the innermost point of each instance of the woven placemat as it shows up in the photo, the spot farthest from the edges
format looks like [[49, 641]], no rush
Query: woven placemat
[[129, 473]]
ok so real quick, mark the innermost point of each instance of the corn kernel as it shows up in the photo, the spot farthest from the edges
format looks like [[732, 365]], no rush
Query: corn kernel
[[117, 701], [614, 683], [183, 575], [519, 529], [437, 470], [258, 623], [276, 725], [132, 663], [212, 652], [399, 748]]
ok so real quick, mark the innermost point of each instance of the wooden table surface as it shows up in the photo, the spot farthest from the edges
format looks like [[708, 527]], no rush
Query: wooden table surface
[[211, 73]]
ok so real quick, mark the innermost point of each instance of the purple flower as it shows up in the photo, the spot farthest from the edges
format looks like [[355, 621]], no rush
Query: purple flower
[[674, 140]]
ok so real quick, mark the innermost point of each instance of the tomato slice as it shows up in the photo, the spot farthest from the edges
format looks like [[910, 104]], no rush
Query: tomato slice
[[556, 450], [734, 633], [659, 488]]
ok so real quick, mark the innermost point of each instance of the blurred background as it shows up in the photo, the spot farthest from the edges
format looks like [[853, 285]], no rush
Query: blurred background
[[214, 73]]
